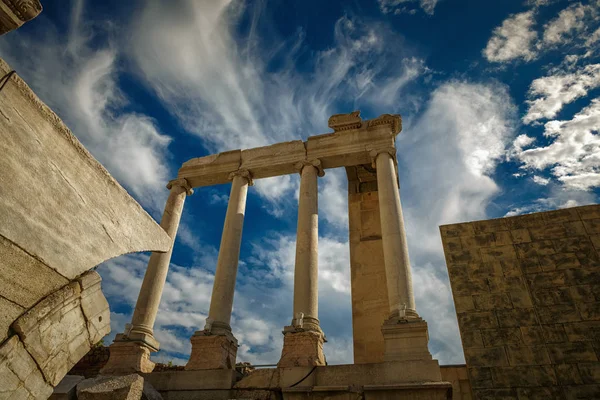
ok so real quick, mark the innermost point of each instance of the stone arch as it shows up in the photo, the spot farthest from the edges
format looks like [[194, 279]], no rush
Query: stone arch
[[61, 215]]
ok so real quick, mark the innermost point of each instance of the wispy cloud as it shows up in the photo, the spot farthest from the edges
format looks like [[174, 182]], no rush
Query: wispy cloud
[[407, 6]]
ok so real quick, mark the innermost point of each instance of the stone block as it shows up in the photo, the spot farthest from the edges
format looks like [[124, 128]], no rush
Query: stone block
[[465, 229], [590, 311], [126, 387], [502, 238], [527, 355], [560, 216], [498, 253], [567, 374], [547, 262], [19, 375], [595, 239], [452, 244], [520, 236], [548, 279], [94, 306], [495, 394], [481, 240], [472, 339], [582, 277], [525, 221], [405, 341], [582, 294], [480, 377], [516, 317], [67, 388], [486, 357], [501, 336], [575, 228], [521, 299], [55, 332], [481, 270], [549, 231], [127, 356], [10, 312], [273, 160], [530, 265], [554, 333], [559, 313], [490, 225], [565, 260], [539, 393], [582, 392], [506, 284], [583, 331], [477, 320], [464, 304], [510, 268], [302, 349], [514, 376], [535, 249], [465, 255], [589, 212], [212, 352], [592, 226], [485, 302], [572, 352], [532, 335], [573, 245], [589, 372]]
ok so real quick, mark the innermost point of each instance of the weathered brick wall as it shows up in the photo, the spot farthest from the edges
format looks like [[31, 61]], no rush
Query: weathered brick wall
[[527, 296]]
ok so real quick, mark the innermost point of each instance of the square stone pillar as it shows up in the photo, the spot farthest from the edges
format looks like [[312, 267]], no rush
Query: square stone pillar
[[405, 340], [302, 349], [128, 356], [210, 351]]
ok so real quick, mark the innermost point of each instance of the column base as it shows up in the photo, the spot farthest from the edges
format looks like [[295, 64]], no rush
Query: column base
[[128, 356], [212, 351], [302, 349], [405, 339]]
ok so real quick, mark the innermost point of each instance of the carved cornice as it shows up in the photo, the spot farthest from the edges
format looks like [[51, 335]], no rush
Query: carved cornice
[[25, 10], [394, 120], [313, 163], [244, 173], [344, 122], [182, 183]]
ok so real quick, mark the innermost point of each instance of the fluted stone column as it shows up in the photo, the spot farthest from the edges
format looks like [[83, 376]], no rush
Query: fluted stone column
[[131, 349], [215, 347], [405, 333], [303, 340]]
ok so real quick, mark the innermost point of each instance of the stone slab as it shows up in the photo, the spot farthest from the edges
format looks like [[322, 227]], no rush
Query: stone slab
[[67, 388], [9, 312], [126, 387], [14, 13], [277, 159], [57, 202]]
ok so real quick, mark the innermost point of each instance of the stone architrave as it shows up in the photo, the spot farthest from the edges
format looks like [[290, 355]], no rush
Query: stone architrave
[[130, 351], [215, 347], [303, 340]]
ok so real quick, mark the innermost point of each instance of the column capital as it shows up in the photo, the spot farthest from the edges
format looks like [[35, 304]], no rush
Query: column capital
[[375, 152], [183, 183], [314, 163], [244, 173]]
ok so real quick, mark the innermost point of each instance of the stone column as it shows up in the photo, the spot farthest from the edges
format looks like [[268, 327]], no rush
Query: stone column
[[130, 351], [303, 340], [405, 333], [215, 347]]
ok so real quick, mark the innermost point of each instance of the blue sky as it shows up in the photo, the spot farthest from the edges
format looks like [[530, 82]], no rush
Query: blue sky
[[500, 109]]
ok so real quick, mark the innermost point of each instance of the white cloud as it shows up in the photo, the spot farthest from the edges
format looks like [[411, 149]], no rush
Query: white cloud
[[80, 82], [552, 92], [514, 39], [406, 6], [556, 198], [540, 180], [574, 154], [569, 22]]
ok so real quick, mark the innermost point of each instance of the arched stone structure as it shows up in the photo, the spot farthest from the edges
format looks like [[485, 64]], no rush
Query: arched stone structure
[[61, 214]]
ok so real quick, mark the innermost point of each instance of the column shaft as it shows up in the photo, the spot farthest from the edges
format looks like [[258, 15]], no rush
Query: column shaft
[[221, 302], [148, 301], [395, 248], [306, 268]]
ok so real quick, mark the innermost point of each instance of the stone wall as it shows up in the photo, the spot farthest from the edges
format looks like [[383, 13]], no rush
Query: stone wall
[[527, 296]]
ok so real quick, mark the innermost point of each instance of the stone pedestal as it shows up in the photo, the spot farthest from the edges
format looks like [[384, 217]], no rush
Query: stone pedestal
[[127, 356], [405, 340], [212, 351], [302, 349]]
